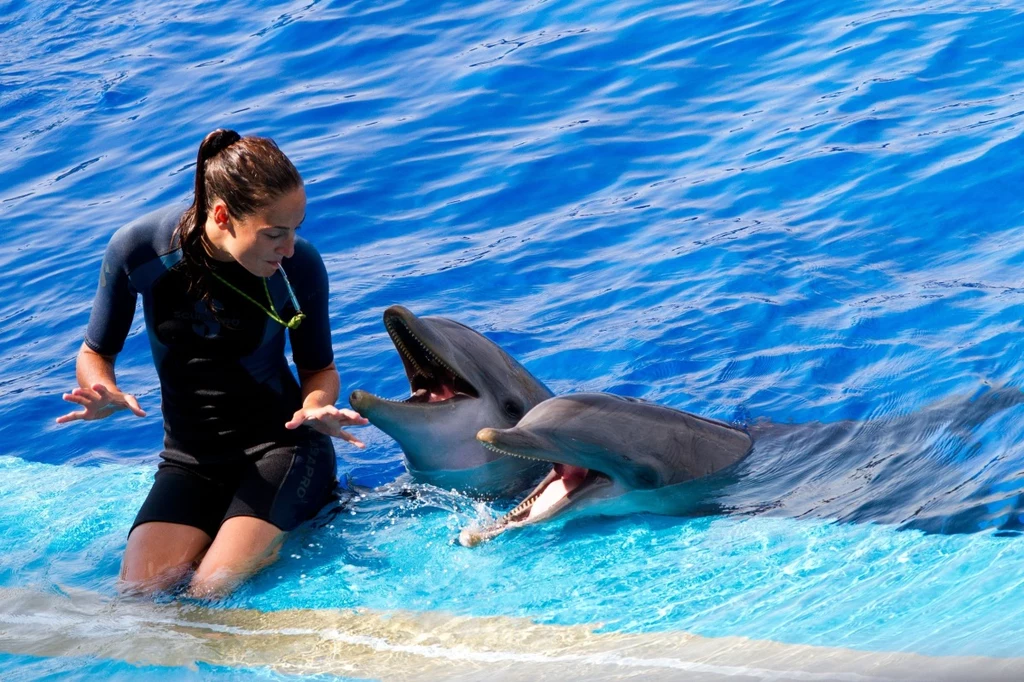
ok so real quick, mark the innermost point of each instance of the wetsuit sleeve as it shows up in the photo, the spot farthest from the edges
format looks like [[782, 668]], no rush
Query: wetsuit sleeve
[[114, 306], [311, 342]]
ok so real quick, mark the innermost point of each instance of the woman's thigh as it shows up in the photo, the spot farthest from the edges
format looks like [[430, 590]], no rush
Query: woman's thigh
[[189, 496], [288, 484]]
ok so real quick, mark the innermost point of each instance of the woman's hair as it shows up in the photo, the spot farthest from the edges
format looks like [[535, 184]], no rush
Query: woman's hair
[[248, 174]]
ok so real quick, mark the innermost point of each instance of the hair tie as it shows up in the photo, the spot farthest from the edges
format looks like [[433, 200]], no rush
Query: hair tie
[[218, 141]]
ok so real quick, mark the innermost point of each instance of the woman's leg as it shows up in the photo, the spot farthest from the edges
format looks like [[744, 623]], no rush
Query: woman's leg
[[242, 547], [284, 487], [173, 529], [159, 555]]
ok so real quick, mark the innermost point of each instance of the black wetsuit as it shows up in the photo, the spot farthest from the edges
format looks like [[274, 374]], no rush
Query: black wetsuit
[[225, 384]]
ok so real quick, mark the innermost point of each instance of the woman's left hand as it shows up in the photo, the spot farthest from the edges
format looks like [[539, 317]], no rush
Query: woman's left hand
[[329, 420]]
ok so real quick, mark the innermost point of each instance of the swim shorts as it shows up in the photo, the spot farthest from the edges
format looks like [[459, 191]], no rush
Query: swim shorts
[[283, 484]]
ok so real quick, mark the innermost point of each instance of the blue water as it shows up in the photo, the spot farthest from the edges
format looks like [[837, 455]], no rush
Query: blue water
[[807, 212]]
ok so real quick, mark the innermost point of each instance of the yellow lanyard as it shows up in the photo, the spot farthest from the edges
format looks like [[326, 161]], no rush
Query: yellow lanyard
[[272, 313]]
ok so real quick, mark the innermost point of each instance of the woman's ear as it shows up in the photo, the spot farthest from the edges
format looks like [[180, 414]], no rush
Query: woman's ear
[[221, 217]]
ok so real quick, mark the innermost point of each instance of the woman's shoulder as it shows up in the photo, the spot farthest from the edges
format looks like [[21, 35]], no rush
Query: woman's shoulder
[[306, 256], [152, 226], [306, 268], [305, 250], [148, 235]]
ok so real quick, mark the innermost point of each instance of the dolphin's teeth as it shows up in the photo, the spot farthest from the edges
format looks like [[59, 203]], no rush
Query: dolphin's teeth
[[495, 448], [400, 345], [523, 506], [390, 325], [412, 359]]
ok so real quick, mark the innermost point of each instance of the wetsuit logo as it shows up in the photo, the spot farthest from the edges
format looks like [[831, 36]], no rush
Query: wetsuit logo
[[307, 479], [203, 323]]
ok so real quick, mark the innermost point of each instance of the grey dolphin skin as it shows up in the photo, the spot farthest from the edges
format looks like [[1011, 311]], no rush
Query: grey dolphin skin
[[460, 382], [630, 454]]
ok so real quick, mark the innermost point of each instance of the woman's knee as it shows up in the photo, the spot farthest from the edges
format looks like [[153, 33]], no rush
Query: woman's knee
[[160, 555], [243, 546]]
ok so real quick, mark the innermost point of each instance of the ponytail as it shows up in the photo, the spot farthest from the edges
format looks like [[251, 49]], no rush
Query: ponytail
[[247, 174]]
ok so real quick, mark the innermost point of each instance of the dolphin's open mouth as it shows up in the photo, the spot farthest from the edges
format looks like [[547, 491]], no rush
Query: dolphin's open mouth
[[431, 379], [559, 489]]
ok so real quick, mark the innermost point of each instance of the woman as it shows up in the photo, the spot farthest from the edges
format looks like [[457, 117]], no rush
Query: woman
[[247, 450]]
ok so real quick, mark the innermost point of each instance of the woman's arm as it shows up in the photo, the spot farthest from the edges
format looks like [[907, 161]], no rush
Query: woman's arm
[[311, 347], [319, 393], [319, 388], [97, 391], [113, 309]]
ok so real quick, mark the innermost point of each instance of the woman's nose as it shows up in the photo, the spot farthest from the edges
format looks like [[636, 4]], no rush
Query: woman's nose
[[287, 246]]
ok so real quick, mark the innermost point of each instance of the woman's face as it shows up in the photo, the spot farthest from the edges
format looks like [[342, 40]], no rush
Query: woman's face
[[260, 241]]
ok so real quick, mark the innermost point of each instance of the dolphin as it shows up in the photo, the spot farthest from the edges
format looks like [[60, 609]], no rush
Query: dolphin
[[629, 454], [460, 382]]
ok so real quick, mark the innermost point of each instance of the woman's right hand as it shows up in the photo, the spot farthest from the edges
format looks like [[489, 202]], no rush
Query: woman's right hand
[[99, 402]]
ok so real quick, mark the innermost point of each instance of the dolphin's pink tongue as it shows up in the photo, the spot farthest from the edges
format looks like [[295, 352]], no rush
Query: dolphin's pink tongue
[[441, 393], [572, 476], [570, 479]]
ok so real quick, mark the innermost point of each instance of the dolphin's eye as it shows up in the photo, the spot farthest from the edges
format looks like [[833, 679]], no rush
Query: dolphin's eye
[[513, 410]]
